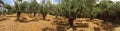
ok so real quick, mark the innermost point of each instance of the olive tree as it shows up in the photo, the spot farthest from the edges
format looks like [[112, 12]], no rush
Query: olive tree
[[8, 8], [34, 7], [108, 9], [18, 4], [1, 2], [72, 8], [45, 6], [108, 6], [1, 6], [25, 7]]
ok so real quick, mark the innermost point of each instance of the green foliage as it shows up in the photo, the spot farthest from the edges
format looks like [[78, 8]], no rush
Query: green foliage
[[108, 6], [25, 7], [34, 6], [7, 6], [66, 8], [72, 8], [18, 4], [1, 2], [45, 7]]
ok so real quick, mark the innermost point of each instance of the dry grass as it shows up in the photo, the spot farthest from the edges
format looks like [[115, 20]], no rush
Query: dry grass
[[8, 23]]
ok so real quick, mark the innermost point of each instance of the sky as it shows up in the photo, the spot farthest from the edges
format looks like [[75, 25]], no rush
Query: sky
[[115, 0], [110, 0], [53, 1], [12, 3], [9, 2]]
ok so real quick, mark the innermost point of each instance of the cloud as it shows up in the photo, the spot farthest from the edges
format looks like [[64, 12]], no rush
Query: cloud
[[39, 1], [97, 1], [52, 1], [115, 0], [22, 0]]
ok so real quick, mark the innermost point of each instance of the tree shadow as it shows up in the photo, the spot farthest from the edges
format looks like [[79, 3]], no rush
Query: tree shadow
[[110, 22], [22, 21], [47, 29], [60, 25], [109, 26], [10, 16], [2, 19]]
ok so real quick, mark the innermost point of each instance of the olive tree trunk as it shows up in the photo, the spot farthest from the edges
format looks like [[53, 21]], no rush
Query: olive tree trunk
[[44, 15], [35, 14], [18, 15]]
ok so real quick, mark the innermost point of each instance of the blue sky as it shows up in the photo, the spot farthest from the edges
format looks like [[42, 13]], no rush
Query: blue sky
[[12, 3], [9, 2]]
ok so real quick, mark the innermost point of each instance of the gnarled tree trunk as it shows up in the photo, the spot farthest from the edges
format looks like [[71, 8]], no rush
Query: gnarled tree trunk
[[70, 21], [44, 15], [35, 14], [18, 15]]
